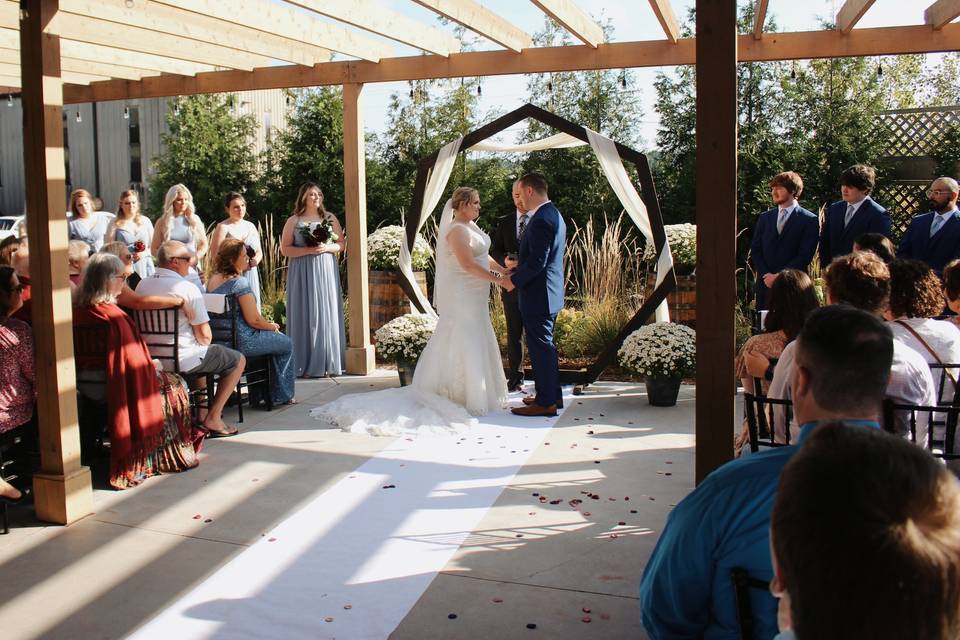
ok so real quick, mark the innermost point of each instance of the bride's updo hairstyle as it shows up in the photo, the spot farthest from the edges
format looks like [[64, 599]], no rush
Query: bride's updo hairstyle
[[462, 196]]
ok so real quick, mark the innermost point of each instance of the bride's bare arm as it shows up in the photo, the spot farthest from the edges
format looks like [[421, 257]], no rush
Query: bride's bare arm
[[495, 266], [459, 243]]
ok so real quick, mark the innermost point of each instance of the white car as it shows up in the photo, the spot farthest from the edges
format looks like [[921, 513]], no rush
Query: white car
[[9, 225]]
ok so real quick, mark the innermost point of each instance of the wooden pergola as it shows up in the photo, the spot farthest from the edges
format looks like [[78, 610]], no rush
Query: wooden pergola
[[72, 51]]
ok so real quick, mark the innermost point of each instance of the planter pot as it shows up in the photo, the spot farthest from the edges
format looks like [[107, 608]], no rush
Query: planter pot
[[406, 369], [682, 301], [662, 392], [387, 299]]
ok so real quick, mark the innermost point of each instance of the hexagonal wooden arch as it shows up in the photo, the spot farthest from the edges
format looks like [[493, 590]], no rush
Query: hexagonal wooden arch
[[647, 192]]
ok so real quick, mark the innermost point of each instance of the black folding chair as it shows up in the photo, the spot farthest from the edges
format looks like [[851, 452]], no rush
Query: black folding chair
[[941, 421], [762, 417], [742, 583], [8, 470], [90, 356], [164, 323], [259, 370]]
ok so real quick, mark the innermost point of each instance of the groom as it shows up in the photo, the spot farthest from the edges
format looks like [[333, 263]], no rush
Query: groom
[[539, 281]]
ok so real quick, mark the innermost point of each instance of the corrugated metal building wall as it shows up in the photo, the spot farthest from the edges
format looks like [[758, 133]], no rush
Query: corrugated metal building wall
[[106, 170]]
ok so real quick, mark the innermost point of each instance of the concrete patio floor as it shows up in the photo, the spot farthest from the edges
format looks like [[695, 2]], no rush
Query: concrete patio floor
[[527, 562]]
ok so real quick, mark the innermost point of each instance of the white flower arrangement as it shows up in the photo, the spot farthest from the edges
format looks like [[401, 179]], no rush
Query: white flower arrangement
[[683, 245], [661, 349], [405, 337], [383, 249]]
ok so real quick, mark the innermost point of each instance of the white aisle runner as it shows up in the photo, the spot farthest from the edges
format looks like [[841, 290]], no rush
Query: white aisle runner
[[353, 562]]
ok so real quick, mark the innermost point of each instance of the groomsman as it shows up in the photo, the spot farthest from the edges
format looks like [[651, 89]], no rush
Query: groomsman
[[855, 214], [503, 248], [934, 237], [785, 237]]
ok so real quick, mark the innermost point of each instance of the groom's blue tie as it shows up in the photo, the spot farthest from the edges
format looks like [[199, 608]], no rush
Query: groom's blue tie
[[521, 226]]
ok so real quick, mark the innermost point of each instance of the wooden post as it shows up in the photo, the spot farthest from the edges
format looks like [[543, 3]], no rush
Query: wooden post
[[62, 488], [360, 358], [716, 73]]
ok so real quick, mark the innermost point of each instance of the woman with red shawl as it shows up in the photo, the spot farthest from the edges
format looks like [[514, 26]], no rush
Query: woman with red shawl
[[148, 410]]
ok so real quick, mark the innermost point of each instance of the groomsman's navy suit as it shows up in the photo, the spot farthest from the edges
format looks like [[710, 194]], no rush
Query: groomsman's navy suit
[[937, 251], [504, 241], [793, 248], [837, 239], [539, 280]]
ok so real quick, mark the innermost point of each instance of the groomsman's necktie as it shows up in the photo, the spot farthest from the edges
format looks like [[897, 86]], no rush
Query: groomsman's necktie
[[849, 216], [782, 220], [936, 224], [521, 226]]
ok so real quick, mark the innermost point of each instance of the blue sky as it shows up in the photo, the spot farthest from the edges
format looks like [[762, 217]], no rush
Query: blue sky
[[633, 20]]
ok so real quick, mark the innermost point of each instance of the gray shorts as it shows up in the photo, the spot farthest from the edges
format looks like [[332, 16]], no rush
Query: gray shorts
[[219, 359]]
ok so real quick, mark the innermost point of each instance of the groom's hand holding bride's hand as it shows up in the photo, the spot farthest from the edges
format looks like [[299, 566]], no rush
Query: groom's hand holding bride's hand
[[507, 284]]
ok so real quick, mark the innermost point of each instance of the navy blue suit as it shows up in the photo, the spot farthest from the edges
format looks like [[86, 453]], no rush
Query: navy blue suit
[[936, 251], [793, 249], [837, 240], [539, 281]]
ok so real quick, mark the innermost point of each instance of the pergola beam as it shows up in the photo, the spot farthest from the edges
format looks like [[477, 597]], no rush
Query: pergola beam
[[76, 77], [759, 17], [478, 18], [12, 82], [667, 18], [653, 53], [941, 12], [850, 14], [572, 18], [146, 61], [373, 17], [202, 28]]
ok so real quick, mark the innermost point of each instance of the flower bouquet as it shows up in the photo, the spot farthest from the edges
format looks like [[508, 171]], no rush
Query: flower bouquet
[[383, 249], [321, 233], [403, 340], [251, 252], [663, 352], [682, 239], [137, 247]]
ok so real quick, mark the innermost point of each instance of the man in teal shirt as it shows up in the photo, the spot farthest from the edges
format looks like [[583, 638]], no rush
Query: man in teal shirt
[[842, 366]]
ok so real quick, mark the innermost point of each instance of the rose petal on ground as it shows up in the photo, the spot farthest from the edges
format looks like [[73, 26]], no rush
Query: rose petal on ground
[[585, 619]]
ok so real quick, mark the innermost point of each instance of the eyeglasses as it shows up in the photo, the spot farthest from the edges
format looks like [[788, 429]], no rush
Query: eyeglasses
[[936, 193], [120, 277], [20, 288], [187, 258]]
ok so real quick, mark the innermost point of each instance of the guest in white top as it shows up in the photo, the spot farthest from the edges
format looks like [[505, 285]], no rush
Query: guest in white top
[[246, 232], [916, 298], [197, 356], [861, 280]]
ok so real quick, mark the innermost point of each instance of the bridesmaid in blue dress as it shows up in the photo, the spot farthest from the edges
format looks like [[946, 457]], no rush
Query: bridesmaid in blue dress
[[235, 226], [130, 227], [314, 297], [180, 222], [256, 336], [84, 223]]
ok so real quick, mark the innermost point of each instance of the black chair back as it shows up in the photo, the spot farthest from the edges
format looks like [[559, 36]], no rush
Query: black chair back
[[225, 330], [940, 422], [763, 414], [742, 583], [159, 328]]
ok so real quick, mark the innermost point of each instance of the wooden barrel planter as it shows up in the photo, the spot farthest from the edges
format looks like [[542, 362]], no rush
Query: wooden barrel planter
[[682, 301], [387, 299]]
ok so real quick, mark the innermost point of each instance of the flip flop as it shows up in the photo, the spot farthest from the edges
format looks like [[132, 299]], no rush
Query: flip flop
[[221, 434]]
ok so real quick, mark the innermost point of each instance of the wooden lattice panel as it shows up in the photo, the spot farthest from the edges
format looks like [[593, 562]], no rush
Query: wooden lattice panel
[[903, 200], [916, 132]]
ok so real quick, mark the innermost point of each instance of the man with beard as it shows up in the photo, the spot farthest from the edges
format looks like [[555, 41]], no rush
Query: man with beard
[[934, 237]]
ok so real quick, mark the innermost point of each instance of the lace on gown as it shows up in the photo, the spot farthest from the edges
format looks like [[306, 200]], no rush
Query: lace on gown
[[459, 374]]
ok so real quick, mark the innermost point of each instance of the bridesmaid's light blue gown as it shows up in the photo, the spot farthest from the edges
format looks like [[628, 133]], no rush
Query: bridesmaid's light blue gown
[[315, 312]]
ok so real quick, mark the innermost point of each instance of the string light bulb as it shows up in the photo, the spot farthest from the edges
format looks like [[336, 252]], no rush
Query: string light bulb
[[793, 71], [9, 99], [479, 90], [879, 69], [623, 80], [126, 113], [79, 118], [550, 86]]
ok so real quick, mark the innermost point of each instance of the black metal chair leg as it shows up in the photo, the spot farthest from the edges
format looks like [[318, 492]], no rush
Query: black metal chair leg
[[6, 525]]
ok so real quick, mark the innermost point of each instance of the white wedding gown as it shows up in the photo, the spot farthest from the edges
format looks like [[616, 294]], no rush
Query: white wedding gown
[[460, 373]]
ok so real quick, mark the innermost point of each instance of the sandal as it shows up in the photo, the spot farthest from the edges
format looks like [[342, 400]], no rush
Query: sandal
[[220, 434]]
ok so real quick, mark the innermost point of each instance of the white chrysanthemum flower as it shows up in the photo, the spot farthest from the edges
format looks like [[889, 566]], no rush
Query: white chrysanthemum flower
[[683, 244], [661, 349], [383, 249], [405, 337]]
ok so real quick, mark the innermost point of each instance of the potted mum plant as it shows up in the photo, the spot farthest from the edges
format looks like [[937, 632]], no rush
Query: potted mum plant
[[402, 340], [387, 299], [664, 353], [682, 301]]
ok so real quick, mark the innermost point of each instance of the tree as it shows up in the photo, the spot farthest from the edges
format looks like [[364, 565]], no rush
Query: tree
[[208, 149]]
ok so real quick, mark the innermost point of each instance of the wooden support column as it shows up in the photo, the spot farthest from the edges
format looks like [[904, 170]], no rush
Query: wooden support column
[[360, 357], [62, 488], [716, 73]]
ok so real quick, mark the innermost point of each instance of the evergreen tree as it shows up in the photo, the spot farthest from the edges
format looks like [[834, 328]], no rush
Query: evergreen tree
[[209, 149]]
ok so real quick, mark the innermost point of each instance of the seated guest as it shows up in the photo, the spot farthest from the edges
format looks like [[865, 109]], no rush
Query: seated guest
[[197, 356], [843, 363], [17, 391], [785, 237], [148, 410], [916, 299], [934, 237], [951, 289], [77, 253], [855, 214], [876, 243], [8, 247], [256, 336], [866, 540], [863, 281], [130, 299], [792, 298], [21, 263]]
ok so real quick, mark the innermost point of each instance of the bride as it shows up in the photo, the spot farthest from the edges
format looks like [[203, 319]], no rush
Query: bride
[[460, 373]]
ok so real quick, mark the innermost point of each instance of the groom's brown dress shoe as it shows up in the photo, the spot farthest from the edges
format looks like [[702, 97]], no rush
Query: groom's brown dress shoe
[[528, 400], [535, 410]]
